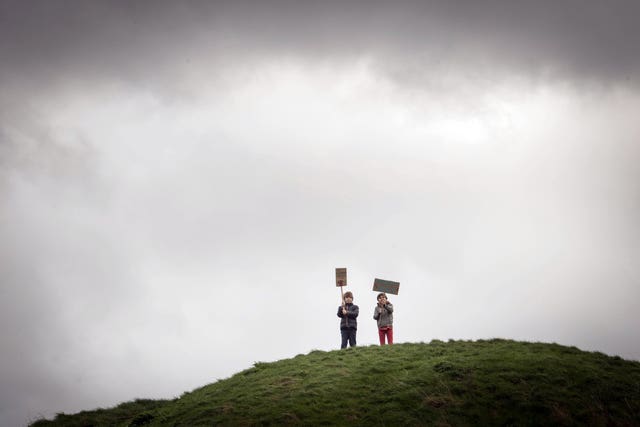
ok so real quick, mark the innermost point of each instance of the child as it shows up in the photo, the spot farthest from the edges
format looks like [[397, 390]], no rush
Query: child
[[348, 312], [383, 313]]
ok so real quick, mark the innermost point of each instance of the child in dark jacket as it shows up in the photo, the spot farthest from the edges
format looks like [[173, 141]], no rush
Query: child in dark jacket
[[348, 313], [383, 313]]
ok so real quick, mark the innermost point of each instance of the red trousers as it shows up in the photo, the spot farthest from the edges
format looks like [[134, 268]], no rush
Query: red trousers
[[388, 332]]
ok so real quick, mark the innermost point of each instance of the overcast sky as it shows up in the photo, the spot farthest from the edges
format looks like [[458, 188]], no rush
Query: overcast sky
[[179, 181]]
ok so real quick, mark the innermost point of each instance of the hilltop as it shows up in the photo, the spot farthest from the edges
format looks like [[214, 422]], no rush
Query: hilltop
[[486, 382]]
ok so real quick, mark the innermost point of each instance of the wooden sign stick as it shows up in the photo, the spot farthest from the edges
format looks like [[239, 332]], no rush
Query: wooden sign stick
[[341, 280]]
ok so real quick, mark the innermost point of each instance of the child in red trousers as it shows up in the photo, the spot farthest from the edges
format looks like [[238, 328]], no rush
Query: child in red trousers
[[383, 313]]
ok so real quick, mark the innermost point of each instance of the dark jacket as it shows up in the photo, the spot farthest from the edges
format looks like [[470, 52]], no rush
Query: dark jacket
[[384, 315], [349, 320]]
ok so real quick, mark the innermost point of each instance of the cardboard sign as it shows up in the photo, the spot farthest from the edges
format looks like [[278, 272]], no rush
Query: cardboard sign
[[386, 286], [341, 277]]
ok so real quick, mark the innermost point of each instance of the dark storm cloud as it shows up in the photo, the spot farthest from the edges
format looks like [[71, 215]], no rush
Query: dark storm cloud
[[150, 41]]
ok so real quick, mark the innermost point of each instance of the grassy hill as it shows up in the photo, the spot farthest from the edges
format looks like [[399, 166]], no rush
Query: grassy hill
[[457, 383]]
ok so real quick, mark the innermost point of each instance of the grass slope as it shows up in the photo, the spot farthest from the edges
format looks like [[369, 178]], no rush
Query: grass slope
[[457, 383]]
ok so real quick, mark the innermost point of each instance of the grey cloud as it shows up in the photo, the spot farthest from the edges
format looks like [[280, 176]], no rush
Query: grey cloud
[[149, 42]]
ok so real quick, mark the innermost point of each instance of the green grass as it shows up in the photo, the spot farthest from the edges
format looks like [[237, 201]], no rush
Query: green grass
[[457, 383]]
